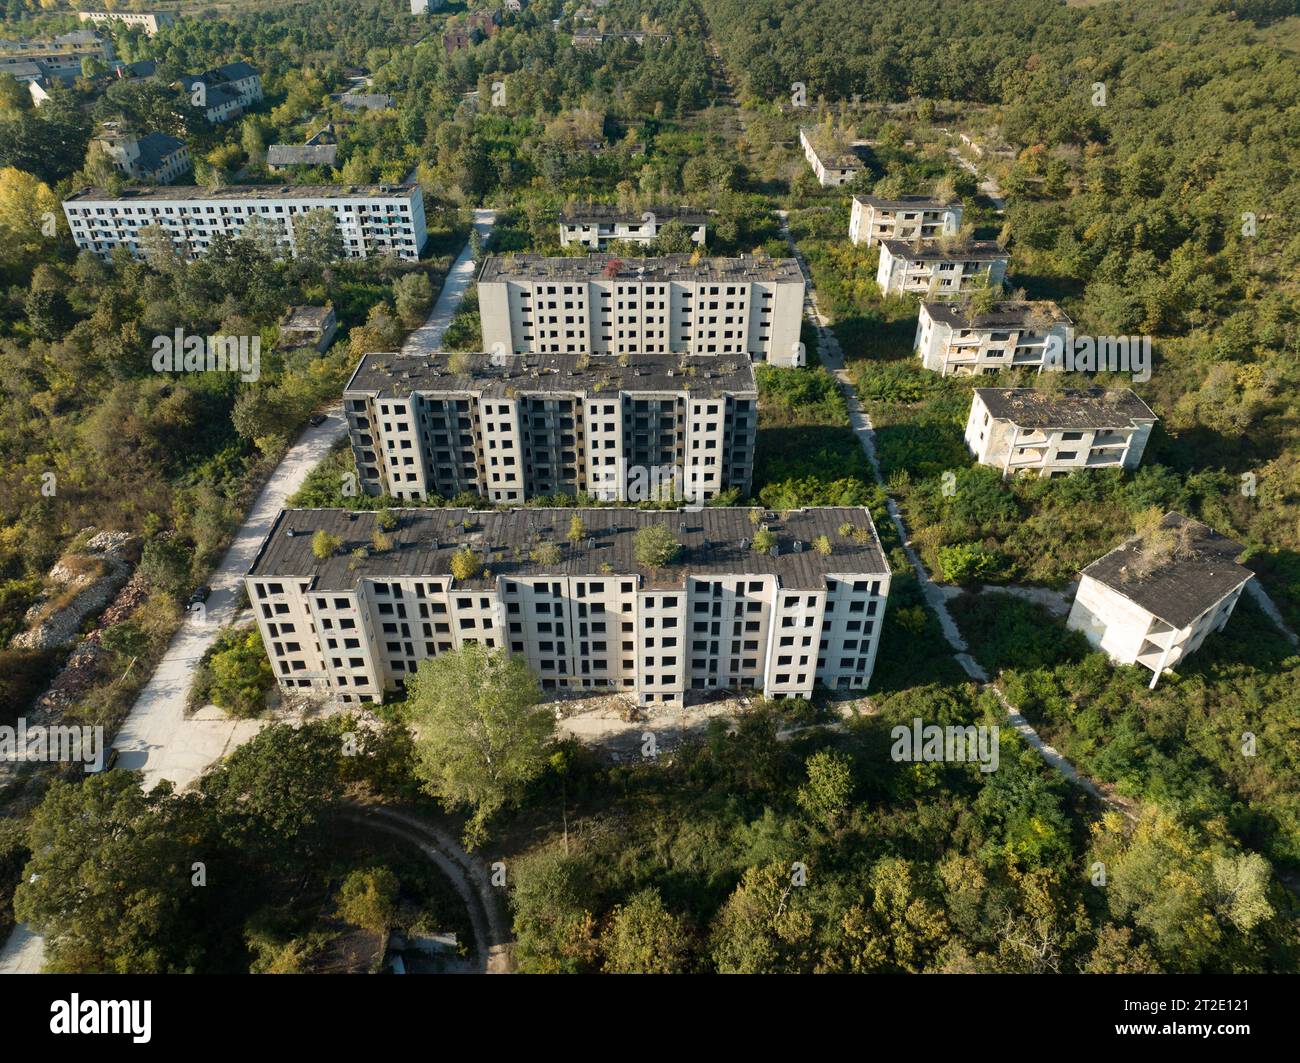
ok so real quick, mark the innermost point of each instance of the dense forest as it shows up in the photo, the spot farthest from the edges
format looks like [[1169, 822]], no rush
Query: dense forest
[[1165, 211]]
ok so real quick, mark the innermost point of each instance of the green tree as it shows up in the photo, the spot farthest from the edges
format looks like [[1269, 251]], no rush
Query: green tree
[[766, 926], [165, 563], [552, 902], [316, 237], [655, 546], [240, 673], [825, 797], [272, 791], [546, 554], [48, 313], [325, 545], [108, 883], [465, 564], [481, 735], [368, 899], [643, 937], [412, 298]]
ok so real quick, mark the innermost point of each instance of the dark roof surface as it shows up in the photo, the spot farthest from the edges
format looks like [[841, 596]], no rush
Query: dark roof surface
[[1183, 589], [155, 148], [663, 268], [1069, 408], [397, 375], [425, 540], [933, 251], [237, 71], [908, 203], [1009, 313], [608, 212], [302, 154], [243, 192]]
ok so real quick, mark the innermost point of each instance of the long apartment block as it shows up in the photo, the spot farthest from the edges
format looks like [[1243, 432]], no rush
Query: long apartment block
[[721, 616], [1013, 334], [596, 227], [1052, 434], [372, 221], [512, 427], [1155, 611], [748, 306], [937, 271], [873, 219]]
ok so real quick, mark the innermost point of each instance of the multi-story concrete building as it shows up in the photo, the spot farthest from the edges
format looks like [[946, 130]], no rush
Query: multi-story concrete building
[[1153, 603], [225, 92], [598, 226], [833, 168], [156, 157], [149, 21], [373, 220], [1010, 335], [936, 271], [873, 219], [58, 58], [1027, 430], [511, 427], [603, 305], [721, 616]]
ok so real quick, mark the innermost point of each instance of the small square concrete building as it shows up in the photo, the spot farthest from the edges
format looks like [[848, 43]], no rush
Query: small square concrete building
[[938, 271], [873, 219], [832, 167], [1156, 611], [308, 326], [1052, 434], [1012, 334]]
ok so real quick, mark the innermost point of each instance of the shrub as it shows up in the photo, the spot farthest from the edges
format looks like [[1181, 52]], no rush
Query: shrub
[[965, 562], [465, 564], [324, 545], [655, 546]]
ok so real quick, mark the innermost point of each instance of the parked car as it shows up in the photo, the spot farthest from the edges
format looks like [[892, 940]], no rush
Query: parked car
[[201, 595], [111, 759], [316, 419]]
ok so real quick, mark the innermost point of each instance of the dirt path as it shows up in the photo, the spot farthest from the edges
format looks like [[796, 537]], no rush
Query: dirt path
[[484, 902]]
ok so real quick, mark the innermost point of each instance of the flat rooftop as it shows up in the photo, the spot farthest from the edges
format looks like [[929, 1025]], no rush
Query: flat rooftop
[[847, 160], [306, 317], [907, 203], [1010, 313], [425, 540], [933, 251], [1070, 408], [664, 268], [608, 212], [171, 193], [397, 375], [1194, 579]]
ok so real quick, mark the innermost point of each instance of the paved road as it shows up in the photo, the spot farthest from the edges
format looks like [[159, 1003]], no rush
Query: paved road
[[158, 738], [428, 337]]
